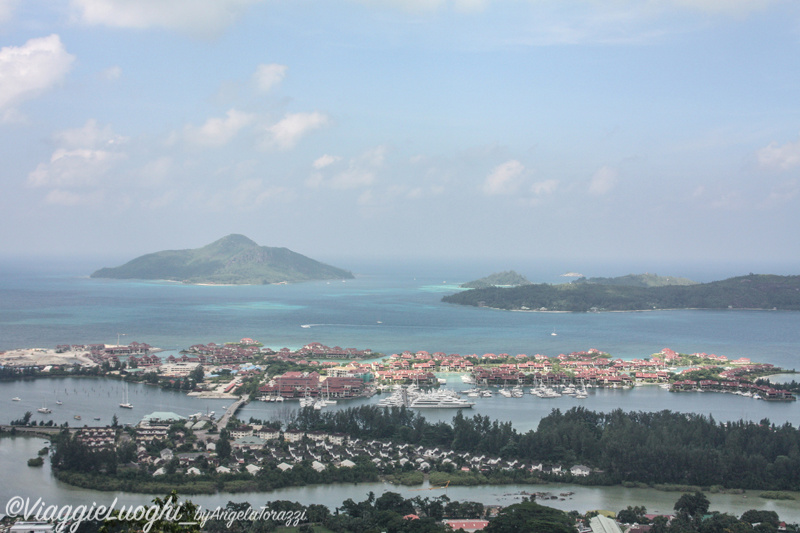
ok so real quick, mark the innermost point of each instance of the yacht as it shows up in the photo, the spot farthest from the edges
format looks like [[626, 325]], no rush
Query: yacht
[[125, 403], [440, 401], [16, 399]]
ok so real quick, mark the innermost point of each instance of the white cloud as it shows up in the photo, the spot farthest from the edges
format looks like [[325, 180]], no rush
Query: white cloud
[[112, 73], [360, 171], [7, 9], [218, 131], [504, 179], [156, 172], [286, 133], [84, 159], [782, 157], [782, 194], [326, 160], [268, 76], [68, 198], [32, 68], [89, 136], [603, 181], [544, 187], [203, 17], [74, 168]]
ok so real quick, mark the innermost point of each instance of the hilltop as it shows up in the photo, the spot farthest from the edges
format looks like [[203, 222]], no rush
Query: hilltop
[[639, 280], [234, 260], [744, 292], [498, 279]]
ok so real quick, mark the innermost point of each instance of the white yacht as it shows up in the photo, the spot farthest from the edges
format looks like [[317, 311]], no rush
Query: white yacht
[[440, 401], [125, 402]]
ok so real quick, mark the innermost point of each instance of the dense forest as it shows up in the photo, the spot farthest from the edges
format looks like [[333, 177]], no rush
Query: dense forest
[[744, 292], [653, 448]]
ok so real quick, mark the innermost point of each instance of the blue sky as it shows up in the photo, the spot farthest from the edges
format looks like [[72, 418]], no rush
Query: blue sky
[[518, 130]]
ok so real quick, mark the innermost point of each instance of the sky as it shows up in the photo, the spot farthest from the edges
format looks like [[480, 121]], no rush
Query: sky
[[570, 131]]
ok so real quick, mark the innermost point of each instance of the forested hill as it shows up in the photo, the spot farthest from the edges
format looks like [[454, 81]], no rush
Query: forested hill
[[498, 279], [754, 291], [639, 280], [234, 259]]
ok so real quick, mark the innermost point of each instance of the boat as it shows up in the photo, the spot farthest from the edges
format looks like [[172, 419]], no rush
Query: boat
[[16, 399], [125, 403], [554, 332], [97, 418], [440, 401], [306, 326], [44, 409], [59, 402], [77, 417]]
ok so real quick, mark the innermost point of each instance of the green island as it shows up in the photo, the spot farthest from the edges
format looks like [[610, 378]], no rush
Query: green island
[[498, 279], [232, 260], [636, 293]]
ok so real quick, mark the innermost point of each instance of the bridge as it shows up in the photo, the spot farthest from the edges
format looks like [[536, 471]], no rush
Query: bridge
[[231, 410]]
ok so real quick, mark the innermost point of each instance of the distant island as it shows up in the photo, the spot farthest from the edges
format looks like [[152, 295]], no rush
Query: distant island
[[639, 293], [231, 260], [498, 279], [638, 280]]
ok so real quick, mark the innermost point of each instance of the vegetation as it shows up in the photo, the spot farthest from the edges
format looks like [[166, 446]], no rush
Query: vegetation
[[744, 292], [531, 517], [234, 259], [36, 461], [637, 447], [638, 280], [498, 279]]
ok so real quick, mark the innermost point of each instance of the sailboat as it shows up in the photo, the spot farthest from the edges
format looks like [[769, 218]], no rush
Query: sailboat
[[44, 409], [554, 332], [126, 404]]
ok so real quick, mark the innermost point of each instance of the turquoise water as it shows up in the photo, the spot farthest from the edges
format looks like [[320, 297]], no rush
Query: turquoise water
[[387, 313]]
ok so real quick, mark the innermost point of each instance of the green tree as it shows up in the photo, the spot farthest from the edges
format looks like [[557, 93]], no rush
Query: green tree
[[692, 505], [531, 517]]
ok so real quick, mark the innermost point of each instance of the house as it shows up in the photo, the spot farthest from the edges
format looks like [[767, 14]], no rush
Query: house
[[469, 525], [580, 470], [319, 467], [603, 524], [283, 467]]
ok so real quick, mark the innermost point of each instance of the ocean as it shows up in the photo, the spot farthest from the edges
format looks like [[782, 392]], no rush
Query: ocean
[[388, 310]]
